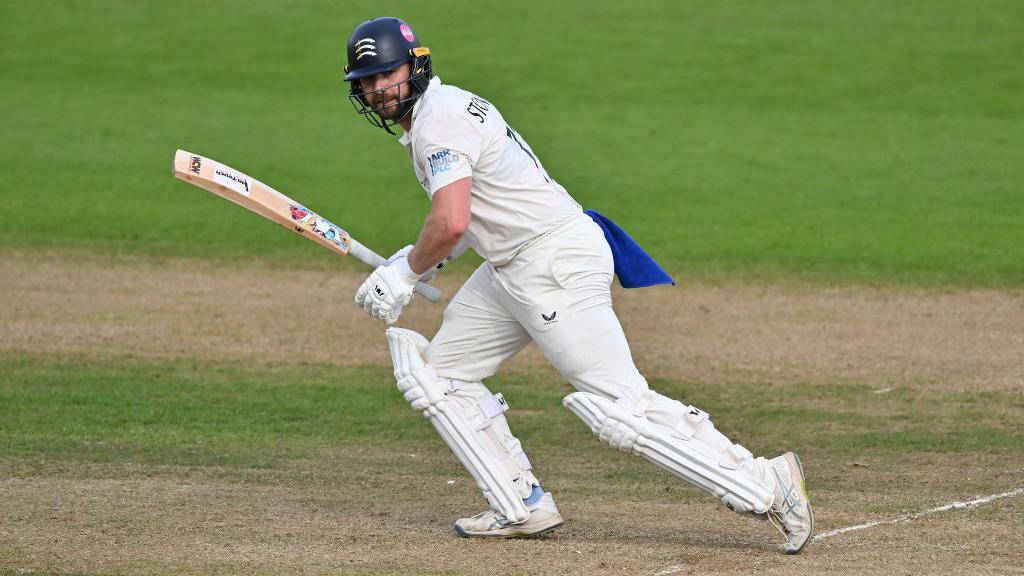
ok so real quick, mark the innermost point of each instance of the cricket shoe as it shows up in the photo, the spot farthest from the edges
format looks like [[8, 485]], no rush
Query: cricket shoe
[[544, 517], [791, 510]]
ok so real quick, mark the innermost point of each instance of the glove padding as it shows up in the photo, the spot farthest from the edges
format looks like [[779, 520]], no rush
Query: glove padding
[[388, 289]]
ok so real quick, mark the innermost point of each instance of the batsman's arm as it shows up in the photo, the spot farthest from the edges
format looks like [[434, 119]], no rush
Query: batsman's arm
[[446, 224]]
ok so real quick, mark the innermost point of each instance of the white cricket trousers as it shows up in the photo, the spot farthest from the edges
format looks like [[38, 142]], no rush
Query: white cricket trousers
[[557, 292]]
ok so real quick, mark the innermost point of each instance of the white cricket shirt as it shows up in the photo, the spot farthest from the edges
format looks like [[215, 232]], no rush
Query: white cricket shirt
[[456, 134]]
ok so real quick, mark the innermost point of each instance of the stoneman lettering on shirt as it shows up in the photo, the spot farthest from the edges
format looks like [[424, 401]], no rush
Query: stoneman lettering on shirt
[[478, 107]]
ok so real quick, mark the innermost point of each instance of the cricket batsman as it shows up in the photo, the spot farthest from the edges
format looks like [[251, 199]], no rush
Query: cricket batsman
[[547, 277]]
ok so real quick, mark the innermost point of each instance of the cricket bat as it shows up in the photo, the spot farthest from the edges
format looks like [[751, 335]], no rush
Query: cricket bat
[[257, 197]]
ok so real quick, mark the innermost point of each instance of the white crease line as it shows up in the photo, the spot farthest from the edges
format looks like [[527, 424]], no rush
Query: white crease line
[[909, 517], [670, 570]]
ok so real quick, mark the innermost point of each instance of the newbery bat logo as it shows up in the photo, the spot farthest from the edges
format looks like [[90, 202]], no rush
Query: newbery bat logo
[[195, 165]]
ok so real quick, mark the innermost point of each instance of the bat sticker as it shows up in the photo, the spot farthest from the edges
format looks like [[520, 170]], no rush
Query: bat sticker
[[230, 179], [321, 226]]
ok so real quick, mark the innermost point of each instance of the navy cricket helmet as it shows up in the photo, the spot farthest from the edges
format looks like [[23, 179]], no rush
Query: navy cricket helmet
[[381, 45]]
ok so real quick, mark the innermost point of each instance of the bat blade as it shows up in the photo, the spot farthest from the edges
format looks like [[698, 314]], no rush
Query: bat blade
[[255, 196]]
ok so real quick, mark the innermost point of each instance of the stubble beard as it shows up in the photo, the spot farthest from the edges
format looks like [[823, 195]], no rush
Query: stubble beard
[[396, 110]]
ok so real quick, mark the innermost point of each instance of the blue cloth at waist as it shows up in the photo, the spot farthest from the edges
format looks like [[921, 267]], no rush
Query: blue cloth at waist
[[634, 267]]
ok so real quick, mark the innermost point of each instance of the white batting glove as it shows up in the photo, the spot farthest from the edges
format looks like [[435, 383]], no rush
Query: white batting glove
[[430, 273], [388, 289], [400, 254]]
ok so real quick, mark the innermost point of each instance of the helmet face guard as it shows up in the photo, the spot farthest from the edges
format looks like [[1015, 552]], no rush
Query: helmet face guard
[[409, 91], [381, 45]]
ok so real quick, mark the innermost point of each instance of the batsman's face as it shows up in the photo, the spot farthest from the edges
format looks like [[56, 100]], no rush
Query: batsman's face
[[384, 91]]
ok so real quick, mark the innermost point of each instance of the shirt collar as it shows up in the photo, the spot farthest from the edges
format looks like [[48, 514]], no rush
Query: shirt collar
[[405, 138]]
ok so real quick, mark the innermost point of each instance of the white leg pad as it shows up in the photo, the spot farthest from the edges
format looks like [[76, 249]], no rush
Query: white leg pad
[[461, 425], [724, 471]]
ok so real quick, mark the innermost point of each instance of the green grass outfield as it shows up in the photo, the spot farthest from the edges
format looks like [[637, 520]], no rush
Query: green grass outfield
[[235, 420], [840, 141]]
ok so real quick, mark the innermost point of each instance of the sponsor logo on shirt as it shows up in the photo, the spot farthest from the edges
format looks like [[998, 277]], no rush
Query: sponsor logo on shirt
[[441, 161]]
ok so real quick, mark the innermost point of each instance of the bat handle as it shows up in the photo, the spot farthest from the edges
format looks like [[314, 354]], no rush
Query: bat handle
[[373, 259]]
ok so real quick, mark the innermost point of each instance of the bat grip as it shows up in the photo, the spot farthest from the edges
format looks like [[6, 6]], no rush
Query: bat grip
[[374, 260]]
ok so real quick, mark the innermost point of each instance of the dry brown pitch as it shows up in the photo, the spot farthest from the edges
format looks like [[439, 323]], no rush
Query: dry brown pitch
[[116, 519]]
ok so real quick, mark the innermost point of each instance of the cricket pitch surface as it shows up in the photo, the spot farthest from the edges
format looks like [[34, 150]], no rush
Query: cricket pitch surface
[[195, 417]]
